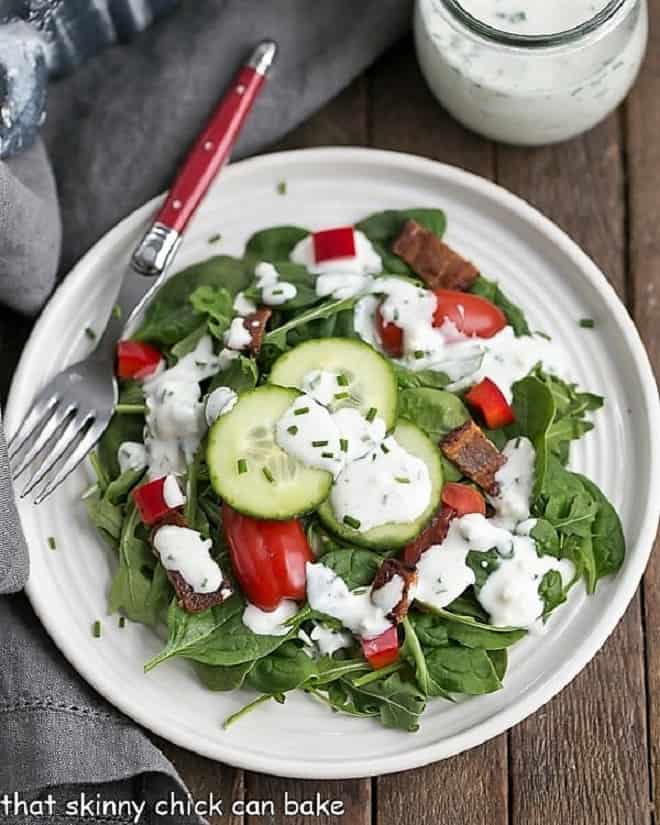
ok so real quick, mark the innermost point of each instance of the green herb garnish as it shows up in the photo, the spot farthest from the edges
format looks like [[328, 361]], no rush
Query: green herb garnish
[[342, 380], [96, 629], [215, 238], [241, 466], [319, 443], [301, 411], [343, 445], [371, 414], [349, 521], [587, 323], [292, 430], [51, 542], [89, 332], [281, 187], [268, 474]]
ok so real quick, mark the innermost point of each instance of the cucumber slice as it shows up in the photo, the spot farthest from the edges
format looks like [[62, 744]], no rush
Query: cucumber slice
[[388, 536], [367, 379], [250, 471]]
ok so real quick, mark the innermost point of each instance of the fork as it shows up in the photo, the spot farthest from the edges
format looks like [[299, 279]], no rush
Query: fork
[[70, 414]]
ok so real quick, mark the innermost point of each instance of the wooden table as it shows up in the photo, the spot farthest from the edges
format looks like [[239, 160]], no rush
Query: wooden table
[[591, 755]]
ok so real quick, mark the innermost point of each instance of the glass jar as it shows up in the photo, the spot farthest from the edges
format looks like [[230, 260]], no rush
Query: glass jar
[[530, 89]]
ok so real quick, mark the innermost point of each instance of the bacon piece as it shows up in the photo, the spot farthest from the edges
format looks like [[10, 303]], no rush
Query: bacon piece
[[188, 599], [255, 324], [435, 262], [474, 455], [386, 572], [435, 532]]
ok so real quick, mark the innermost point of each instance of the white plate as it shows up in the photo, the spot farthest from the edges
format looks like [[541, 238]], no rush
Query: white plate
[[542, 270]]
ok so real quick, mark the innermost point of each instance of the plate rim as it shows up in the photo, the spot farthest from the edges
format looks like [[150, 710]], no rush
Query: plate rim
[[527, 703]]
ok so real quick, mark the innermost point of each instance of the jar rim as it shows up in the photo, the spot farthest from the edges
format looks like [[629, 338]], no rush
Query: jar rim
[[533, 41]]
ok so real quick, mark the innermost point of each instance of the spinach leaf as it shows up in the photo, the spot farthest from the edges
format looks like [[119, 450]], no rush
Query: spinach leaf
[[492, 292], [500, 660], [482, 565], [398, 702], [408, 379], [106, 517], [171, 317], [546, 538], [382, 228], [284, 669], [131, 587], [535, 411], [608, 542], [458, 669], [278, 337], [467, 606], [188, 344], [437, 412], [453, 619], [121, 428], [484, 636], [355, 566], [239, 375], [552, 591], [274, 244], [431, 631], [216, 303], [412, 651], [223, 678], [303, 280], [216, 637]]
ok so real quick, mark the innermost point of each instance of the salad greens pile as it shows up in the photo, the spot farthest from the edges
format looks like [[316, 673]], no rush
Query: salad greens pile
[[444, 653]]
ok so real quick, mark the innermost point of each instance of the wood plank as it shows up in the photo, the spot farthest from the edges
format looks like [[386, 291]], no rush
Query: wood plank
[[470, 789], [643, 127], [583, 757], [343, 121]]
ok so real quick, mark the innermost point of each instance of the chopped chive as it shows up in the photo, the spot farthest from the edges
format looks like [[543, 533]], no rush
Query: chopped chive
[[371, 414], [342, 380], [402, 479], [319, 443], [587, 323], [327, 455], [281, 187], [419, 353], [292, 430], [215, 238], [340, 395], [116, 311], [352, 522], [51, 542], [343, 444], [89, 332], [96, 629], [385, 448], [268, 474], [241, 465], [277, 292], [301, 411], [122, 621]]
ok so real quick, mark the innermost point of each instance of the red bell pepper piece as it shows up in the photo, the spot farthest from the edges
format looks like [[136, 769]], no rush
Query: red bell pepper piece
[[463, 499], [268, 557], [382, 650], [150, 501], [487, 399], [136, 359], [334, 243]]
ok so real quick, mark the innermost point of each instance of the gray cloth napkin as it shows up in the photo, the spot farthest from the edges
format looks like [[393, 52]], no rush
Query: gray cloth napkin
[[114, 134]]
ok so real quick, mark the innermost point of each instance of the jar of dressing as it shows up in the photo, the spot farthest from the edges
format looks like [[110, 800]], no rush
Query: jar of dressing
[[530, 72]]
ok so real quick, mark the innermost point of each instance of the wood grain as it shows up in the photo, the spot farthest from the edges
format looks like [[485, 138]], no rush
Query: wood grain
[[582, 759], [642, 120], [472, 788]]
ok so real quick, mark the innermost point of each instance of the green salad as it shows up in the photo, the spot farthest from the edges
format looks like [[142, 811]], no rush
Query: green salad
[[340, 464]]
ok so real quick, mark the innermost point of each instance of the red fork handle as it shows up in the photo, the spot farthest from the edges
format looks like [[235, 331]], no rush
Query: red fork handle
[[208, 155]]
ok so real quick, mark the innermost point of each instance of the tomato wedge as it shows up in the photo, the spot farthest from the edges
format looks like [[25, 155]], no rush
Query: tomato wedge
[[136, 359], [382, 650], [487, 399], [463, 499], [470, 314], [268, 557]]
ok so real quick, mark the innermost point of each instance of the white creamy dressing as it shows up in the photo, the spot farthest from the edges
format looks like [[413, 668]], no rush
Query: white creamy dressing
[[243, 306], [270, 623], [219, 402], [273, 291], [516, 480], [322, 385], [329, 641], [389, 595], [504, 358], [131, 455], [525, 95], [185, 551], [342, 285], [366, 260], [175, 420], [386, 486], [238, 335], [172, 495], [329, 594]]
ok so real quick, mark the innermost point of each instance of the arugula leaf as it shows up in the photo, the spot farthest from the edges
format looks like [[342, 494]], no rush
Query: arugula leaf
[[278, 337], [382, 228], [535, 411], [216, 303], [117, 491], [284, 669], [170, 317], [216, 637], [329, 669], [398, 702], [189, 343], [492, 292], [223, 678], [458, 669], [240, 375], [437, 412], [106, 517], [546, 538], [552, 591], [274, 244]]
